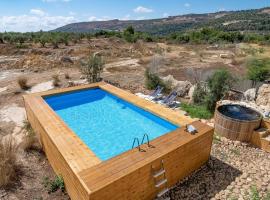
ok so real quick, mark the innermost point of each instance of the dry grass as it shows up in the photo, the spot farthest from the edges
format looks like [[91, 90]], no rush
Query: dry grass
[[67, 76], [30, 141], [56, 80], [22, 82], [8, 161]]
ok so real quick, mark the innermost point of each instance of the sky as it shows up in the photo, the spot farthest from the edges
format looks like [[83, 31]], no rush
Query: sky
[[35, 15]]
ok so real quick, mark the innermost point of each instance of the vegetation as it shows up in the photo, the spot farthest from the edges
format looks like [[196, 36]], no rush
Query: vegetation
[[197, 111], [29, 140], [152, 79], [93, 68], [56, 80], [22, 82], [67, 76], [199, 94], [53, 185], [258, 70], [211, 36], [8, 161], [218, 84]]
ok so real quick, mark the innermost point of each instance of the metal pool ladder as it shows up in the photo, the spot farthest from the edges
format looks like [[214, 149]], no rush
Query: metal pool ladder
[[160, 180], [138, 143], [147, 139]]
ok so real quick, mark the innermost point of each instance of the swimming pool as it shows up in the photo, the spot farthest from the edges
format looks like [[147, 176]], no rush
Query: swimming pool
[[105, 123]]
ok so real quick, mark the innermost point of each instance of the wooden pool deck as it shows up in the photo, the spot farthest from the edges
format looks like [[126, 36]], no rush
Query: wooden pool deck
[[126, 176]]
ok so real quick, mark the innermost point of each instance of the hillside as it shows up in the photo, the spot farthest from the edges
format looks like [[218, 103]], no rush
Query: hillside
[[256, 20]]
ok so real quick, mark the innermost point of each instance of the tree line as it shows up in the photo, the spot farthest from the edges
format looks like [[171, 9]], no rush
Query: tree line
[[202, 36]]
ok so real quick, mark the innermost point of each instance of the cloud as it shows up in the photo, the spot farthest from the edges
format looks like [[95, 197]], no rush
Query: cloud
[[34, 22], [127, 17], [221, 9], [37, 12], [141, 9], [94, 18], [165, 15], [187, 5]]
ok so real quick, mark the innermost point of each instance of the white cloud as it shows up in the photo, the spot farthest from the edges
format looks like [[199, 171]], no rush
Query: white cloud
[[37, 12], [140, 18], [24, 23], [127, 17], [141, 9], [165, 15], [221, 9], [72, 13], [187, 5], [94, 18]]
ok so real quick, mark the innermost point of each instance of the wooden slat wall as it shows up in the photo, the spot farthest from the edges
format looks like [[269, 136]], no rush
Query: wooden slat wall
[[127, 176], [235, 129]]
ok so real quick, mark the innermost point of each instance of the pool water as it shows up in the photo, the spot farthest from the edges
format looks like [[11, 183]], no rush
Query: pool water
[[106, 123]]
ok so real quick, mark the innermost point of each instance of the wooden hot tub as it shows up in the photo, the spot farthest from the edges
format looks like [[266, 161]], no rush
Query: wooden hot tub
[[236, 122]]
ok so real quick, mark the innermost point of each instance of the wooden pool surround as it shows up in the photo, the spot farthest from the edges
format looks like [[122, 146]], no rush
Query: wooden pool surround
[[126, 176]]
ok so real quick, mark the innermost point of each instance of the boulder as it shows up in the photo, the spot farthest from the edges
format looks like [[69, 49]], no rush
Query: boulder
[[250, 94], [263, 96], [66, 59], [181, 87], [191, 92]]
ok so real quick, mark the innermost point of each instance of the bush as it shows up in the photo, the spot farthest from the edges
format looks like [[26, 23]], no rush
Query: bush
[[219, 84], [29, 141], [258, 70], [54, 185], [197, 111], [93, 68], [199, 94], [22, 82], [56, 80], [67, 76], [8, 161]]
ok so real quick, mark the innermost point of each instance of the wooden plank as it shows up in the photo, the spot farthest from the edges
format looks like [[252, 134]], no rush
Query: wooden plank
[[86, 177]]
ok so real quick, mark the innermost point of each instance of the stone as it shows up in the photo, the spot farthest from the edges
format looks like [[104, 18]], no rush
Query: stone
[[67, 59], [181, 87], [250, 94], [263, 96]]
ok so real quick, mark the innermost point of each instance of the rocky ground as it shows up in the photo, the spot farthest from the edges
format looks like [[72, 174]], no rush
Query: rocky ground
[[233, 168], [232, 171]]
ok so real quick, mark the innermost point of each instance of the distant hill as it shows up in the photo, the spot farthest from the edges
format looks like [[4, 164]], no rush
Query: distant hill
[[256, 20]]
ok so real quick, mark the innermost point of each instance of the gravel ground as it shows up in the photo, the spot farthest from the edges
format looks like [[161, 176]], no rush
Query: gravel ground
[[232, 171]]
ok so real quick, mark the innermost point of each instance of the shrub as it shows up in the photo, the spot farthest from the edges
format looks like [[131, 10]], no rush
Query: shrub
[[56, 80], [30, 141], [258, 70], [219, 84], [8, 161], [199, 94], [22, 82], [93, 68], [67, 76], [54, 185], [197, 111]]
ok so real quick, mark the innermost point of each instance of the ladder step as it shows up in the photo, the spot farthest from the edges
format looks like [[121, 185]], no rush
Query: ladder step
[[161, 193], [158, 173], [160, 183]]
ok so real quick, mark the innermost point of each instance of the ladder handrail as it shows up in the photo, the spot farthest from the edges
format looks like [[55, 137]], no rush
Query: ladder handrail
[[138, 142], [147, 137]]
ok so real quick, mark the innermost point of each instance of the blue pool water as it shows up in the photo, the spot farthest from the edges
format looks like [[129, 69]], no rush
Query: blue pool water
[[106, 123]]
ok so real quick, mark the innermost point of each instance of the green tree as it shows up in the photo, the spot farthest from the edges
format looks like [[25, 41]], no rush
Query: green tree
[[258, 70], [129, 34], [218, 84], [93, 68]]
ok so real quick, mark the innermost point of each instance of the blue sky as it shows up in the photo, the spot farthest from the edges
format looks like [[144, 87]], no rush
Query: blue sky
[[34, 15]]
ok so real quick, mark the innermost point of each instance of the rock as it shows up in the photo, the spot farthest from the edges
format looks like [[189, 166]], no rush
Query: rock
[[226, 55], [66, 59], [181, 87], [250, 94], [263, 97], [191, 92]]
